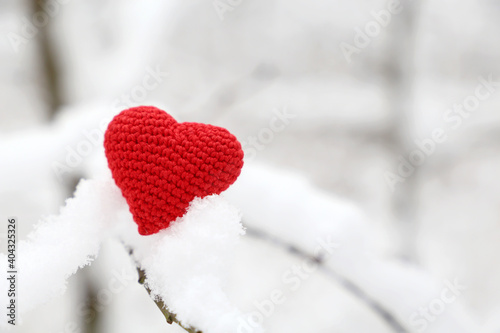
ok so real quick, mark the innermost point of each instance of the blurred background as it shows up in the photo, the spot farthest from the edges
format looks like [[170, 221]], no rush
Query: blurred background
[[391, 105]]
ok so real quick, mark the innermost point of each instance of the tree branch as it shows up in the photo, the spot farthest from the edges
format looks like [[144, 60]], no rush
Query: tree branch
[[347, 284], [169, 316], [350, 286]]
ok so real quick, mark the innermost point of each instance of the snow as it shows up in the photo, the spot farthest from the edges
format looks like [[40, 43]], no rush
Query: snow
[[185, 264], [291, 209], [62, 244]]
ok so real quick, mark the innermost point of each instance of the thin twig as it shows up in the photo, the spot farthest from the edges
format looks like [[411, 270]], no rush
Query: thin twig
[[169, 316], [350, 286]]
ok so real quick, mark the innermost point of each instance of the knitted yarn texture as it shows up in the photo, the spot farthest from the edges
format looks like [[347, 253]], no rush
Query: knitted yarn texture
[[161, 165]]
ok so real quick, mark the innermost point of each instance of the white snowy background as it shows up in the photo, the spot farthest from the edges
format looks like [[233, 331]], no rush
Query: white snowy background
[[319, 177]]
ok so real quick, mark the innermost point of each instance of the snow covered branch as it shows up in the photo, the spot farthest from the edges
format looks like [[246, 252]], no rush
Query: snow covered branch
[[355, 290], [185, 263], [169, 316]]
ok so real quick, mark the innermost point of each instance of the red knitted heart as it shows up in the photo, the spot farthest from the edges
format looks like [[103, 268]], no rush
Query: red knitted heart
[[161, 165]]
